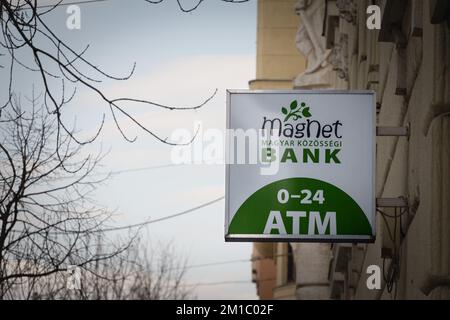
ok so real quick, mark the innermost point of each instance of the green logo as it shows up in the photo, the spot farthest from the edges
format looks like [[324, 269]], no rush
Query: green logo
[[296, 112], [326, 210]]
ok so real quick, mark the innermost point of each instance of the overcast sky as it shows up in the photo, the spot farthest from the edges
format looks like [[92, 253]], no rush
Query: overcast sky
[[181, 58]]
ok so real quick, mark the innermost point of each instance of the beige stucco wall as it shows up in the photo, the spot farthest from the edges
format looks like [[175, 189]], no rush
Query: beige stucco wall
[[416, 167], [413, 89], [278, 61], [277, 64], [263, 270]]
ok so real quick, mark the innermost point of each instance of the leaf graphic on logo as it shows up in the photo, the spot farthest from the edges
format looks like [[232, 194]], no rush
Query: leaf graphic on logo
[[296, 111], [294, 105], [306, 113]]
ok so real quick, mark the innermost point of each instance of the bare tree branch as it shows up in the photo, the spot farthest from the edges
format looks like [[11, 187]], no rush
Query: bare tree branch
[[23, 28], [46, 222]]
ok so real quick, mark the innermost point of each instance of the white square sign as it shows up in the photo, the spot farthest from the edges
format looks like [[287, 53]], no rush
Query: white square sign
[[300, 166]]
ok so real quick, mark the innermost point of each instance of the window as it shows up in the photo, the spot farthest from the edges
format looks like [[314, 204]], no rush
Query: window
[[290, 264]]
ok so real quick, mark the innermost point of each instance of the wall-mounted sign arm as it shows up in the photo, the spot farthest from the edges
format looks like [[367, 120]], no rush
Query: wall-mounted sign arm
[[400, 202], [392, 131]]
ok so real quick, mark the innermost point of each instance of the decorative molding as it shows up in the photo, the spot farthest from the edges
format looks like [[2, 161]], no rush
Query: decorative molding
[[339, 57], [433, 281], [347, 10], [401, 85], [416, 29]]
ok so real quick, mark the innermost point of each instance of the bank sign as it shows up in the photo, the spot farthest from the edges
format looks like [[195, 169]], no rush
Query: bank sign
[[300, 166]]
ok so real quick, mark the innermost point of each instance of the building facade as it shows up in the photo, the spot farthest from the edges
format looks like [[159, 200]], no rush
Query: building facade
[[405, 59], [278, 63]]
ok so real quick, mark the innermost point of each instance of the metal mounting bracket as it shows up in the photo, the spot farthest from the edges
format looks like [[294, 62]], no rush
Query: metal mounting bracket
[[393, 131], [392, 202]]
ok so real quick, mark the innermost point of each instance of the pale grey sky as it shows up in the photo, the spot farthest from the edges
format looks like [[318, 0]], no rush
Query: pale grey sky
[[181, 58]]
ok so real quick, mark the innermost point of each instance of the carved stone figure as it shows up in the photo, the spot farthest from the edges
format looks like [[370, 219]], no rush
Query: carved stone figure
[[311, 44]]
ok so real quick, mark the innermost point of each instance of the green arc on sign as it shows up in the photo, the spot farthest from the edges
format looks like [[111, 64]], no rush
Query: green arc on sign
[[252, 216]]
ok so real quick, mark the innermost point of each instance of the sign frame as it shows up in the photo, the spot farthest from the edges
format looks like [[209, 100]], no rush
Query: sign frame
[[297, 238]]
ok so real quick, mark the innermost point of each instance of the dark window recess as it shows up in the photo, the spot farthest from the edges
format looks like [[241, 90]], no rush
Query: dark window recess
[[440, 11], [391, 24], [290, 265]]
